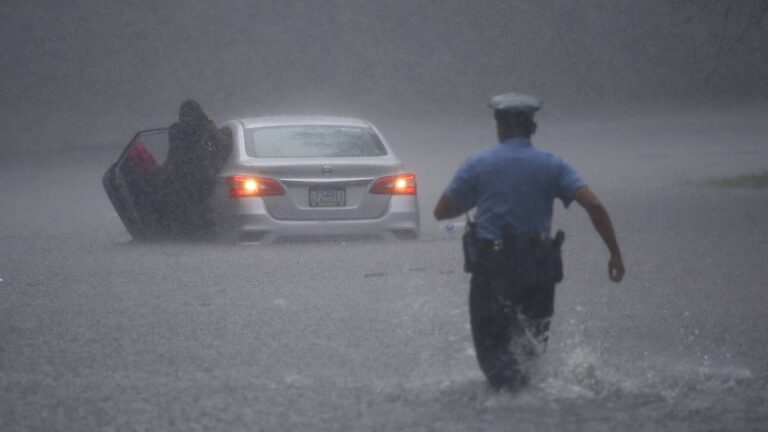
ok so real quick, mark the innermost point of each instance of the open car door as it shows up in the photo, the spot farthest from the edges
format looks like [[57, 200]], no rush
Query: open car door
[[131, 183]]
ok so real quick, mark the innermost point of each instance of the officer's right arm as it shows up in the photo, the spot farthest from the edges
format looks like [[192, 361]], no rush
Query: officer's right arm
[[460, 194], [602, 223], [446, 208]]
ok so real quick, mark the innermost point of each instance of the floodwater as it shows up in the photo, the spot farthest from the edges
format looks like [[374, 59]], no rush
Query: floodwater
[[98, 333]]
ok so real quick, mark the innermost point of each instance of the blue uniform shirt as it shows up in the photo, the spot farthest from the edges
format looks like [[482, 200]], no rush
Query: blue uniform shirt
[[513, 185]]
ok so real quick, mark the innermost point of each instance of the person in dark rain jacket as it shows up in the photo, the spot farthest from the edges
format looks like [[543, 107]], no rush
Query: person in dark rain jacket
[[197, 152]]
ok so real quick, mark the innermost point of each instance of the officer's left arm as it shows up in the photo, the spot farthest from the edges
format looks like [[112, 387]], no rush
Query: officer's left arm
[[570, 187], [602, 223]]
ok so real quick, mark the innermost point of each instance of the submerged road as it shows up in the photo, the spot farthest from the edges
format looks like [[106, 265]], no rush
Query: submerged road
[[99, 333]]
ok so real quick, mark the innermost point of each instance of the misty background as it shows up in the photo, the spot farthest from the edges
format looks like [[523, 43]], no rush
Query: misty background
[[85, 73]]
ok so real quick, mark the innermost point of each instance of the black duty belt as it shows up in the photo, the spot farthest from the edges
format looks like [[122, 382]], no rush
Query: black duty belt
[[514, 242], [532, 259]]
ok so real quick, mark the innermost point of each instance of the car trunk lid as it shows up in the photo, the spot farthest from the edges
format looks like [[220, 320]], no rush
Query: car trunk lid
[[327, 189]]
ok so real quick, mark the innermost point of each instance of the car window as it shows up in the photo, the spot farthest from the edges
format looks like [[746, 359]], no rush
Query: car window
[[156, 143], [313, 141]]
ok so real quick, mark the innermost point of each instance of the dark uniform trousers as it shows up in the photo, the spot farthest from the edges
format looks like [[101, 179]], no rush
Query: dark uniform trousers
[[509, 315]]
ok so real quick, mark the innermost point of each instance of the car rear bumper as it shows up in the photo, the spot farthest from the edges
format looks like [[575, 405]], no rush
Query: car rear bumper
[[247, 220]]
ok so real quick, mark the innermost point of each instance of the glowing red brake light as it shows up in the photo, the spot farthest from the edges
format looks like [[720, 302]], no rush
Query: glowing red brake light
[[403, 184], [248, 186]]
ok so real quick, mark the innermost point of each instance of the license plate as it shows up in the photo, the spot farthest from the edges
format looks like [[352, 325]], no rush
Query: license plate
[[327, 197]]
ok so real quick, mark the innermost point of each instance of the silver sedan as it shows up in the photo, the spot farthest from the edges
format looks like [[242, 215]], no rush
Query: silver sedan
[[289, 177]]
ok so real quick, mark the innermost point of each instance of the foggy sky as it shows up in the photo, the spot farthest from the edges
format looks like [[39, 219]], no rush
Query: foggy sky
[[85, 72]]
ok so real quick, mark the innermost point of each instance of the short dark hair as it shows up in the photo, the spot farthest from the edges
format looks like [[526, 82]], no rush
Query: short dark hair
[[514, 123]]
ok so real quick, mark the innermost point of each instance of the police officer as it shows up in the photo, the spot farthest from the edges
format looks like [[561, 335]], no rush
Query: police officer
[[515, 263]]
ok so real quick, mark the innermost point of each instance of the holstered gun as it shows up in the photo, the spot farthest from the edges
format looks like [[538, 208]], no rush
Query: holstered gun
[[470, 247]]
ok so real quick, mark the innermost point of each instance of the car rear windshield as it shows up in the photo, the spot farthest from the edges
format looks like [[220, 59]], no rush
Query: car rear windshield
[[313, 141]]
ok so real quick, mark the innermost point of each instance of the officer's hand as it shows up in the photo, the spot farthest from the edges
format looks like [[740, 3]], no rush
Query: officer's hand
[[615, 268]]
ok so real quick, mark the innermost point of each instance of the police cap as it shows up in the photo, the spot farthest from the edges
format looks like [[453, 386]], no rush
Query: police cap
[[515, 102]]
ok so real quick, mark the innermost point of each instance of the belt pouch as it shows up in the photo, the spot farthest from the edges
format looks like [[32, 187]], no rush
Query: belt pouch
[[536, 260]]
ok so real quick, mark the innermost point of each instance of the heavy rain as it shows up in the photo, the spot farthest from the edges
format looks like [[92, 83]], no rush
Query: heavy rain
[[661, 106]]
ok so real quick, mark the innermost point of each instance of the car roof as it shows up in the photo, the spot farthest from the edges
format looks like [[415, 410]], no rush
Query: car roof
[[256, 122]]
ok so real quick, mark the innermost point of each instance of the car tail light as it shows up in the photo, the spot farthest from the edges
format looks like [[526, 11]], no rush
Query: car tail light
[[247, 186], [403, 184]]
